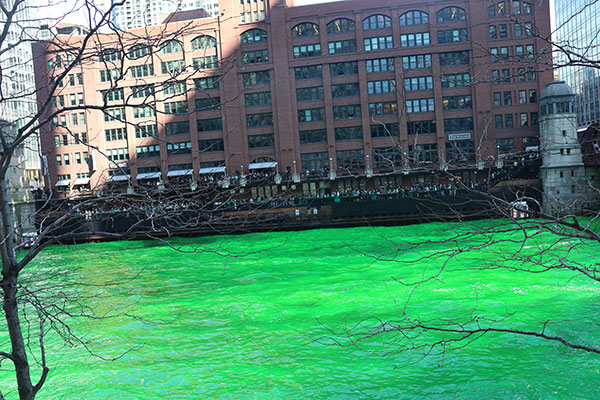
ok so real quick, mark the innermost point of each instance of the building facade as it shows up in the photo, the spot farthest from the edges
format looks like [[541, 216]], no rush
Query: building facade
[[577, 27], [17, 107], [397, 91], [142, 13]]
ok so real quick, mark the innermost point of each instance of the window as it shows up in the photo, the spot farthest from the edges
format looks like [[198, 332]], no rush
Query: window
[[261, 141], [457, 102], [505, 146], [534, 120], [115, 134], [348, 133], [65, 139], [493, 32], [66, 159], [497, 99], [142, 91], [253, 36], [519, 52], [209, 124], [346, 112], [56, 141], [210, 83], [414, 39], [421, 127], [456, 80], [314, 161], [414, 18], [343, 68], [379, 65], [498, 121], [145, 131], [383, 86], [508, 121], [309, 93], [211, 145], [420, 105], [172, 67], [458, 124], [258, 99], [308, 50], [498, 9], [522, 97], [423, 153], [174, 149], [258, 120], [311, 114], [350, 159], [508, 98], [143, 112], [524, 119], [452, 36], [460, 151], [138, 51], [418, 83], [207, 62], [502, 31], [532, 96], [117, 154], [208, 103], [305, 29], [255, 57], [449, 14], [58, 160], [383, 108], [385, 130], [177, 128], [110, 75], [109, 55], [416, 61], [149, 151], [256, 78], [454, 58], [77, 158], [341, 25], [386, 157], [204, 42], [114, 114], [530, 50], [345, 90], [531, 74], [342, 46], [141, 71], [377, 21], [313, 136], [378, 43], [308, 72], [179, 167], [172, 46], [174, 88]]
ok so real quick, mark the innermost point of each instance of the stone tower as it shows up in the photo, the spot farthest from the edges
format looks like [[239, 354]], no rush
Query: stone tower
[[562, 171]]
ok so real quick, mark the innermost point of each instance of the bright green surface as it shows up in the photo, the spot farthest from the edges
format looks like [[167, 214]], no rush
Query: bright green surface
[[245, 327]]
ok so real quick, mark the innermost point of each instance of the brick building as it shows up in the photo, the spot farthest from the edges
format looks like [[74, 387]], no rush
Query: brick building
[[380, 92]]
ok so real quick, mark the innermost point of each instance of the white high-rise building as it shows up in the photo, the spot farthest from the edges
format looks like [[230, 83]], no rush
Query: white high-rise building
[[18, 105], [141, 13]]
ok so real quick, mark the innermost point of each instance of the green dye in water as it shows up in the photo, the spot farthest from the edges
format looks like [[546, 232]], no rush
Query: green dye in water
[[259, 326]]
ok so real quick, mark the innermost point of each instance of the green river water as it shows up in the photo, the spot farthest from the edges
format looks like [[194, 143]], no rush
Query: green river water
[[261, 326]]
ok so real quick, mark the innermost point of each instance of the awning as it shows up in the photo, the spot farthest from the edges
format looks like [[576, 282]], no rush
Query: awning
[[81, 181], [148, 175], [180, 172], [212, 170], [263, 165], [66, 182], [118, 178]]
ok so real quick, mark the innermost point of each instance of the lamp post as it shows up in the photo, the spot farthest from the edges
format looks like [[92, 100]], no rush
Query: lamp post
[[331, 171], [499, 162], [243, 180], [368, 170], [295, 175]]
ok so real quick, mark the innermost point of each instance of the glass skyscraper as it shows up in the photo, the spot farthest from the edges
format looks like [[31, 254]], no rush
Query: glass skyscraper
[[577, 34]]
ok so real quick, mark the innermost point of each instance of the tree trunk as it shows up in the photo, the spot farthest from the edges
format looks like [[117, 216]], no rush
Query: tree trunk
[[18, 353]]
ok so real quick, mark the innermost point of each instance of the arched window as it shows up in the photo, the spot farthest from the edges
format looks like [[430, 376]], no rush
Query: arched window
[[253, 36], [204, 42], [138, 51], [109, 55], [414, 17], [451, 14], [341, 25], [305, 29], [172, 46], [497, 10], [377, 21]]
